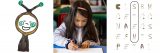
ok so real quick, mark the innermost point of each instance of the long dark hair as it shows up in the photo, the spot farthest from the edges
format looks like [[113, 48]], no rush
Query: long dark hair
[[89, 28]]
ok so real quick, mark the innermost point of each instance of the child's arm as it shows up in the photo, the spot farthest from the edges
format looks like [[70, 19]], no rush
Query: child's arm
[[58, 35], [88, 43], [72, 45], [92, 43], [60, 40]]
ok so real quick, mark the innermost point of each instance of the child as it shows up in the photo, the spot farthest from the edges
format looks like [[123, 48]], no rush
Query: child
[[77, 30]]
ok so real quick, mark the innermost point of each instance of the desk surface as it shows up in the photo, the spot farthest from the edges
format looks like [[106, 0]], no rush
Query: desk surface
[[87, 50], [92, 48]]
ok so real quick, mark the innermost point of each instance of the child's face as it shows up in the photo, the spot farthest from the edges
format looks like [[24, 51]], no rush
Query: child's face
[[80, 21]]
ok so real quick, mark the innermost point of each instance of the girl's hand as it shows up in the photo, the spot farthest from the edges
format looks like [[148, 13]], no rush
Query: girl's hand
[[86, 44], [72, 45]]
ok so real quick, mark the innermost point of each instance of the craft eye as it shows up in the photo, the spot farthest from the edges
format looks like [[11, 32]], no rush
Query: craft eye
[[32, 24], [21, 23]]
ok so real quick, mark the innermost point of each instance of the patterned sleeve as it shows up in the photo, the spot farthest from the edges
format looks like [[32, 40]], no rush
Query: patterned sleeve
[[59, 34]]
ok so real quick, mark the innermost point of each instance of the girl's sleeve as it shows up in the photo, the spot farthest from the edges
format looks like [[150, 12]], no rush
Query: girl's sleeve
[[59, 36]]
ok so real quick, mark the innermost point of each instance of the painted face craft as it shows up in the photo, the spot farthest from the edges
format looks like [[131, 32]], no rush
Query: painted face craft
[[26, 23]]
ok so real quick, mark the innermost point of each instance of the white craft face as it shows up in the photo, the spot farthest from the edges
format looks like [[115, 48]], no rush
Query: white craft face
[[27, 23]]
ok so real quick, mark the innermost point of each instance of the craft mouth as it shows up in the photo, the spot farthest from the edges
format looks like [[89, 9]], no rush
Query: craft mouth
[[25, 28]]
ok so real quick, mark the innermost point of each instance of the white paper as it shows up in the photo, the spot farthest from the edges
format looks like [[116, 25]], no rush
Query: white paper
[[87, 50]]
